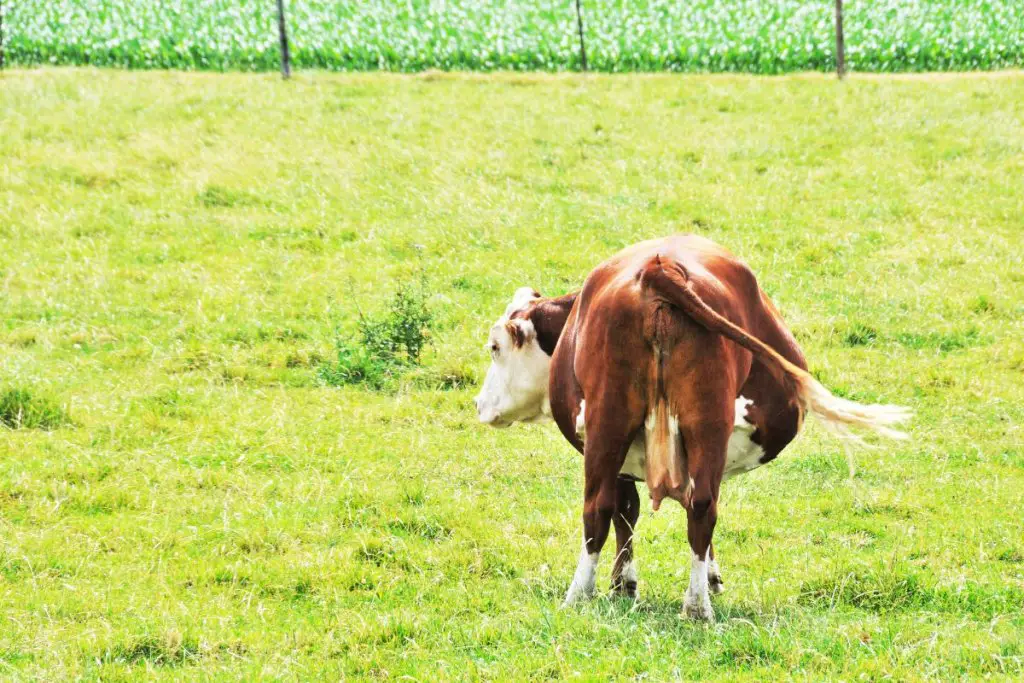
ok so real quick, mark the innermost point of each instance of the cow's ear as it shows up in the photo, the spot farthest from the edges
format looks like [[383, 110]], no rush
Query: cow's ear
[[521, 299], [521, 331], [549, 317]]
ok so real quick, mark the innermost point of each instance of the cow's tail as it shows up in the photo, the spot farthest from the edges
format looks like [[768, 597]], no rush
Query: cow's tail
[[669, 279]]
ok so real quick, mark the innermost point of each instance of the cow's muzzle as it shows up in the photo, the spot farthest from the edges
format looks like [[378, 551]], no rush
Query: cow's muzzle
[[487, 414]]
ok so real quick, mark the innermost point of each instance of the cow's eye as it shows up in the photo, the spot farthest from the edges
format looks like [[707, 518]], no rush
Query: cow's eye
[[494, 349]]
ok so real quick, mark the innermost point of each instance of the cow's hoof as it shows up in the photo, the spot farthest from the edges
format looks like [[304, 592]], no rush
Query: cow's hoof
[[699, 608], [715, 584], [576, 594], [571, 600], [624, 589]]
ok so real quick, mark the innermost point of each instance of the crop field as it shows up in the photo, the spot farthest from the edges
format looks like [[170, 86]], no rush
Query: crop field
[[759, 36], [200, 478]]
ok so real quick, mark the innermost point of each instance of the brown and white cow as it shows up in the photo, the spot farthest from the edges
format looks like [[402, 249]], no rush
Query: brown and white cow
[[672, 367]]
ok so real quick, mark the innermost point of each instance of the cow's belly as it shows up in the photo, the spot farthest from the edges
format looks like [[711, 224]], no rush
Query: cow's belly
[[741, 456], [636, 460]]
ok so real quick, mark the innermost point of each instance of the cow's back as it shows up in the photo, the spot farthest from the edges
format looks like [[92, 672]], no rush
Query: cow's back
[[613, 320], [614, 301]]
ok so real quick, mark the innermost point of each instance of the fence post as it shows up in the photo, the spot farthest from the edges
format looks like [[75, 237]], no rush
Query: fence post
[[1, 35], [282, 30], [579, 26], [840, 45]]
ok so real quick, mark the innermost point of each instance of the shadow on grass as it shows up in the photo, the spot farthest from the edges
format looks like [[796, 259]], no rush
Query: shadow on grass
[[888, 591]]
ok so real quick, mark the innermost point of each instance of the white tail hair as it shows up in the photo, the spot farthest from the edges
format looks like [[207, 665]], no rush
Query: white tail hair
[[839, 415]]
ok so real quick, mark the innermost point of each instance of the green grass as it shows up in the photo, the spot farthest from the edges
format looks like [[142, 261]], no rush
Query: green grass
[[21, 409], [757, 36], [177, 253]]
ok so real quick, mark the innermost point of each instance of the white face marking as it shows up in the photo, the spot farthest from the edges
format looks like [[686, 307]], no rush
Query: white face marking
[[516, 386], [585, 578], [743, 454], [697, 604]]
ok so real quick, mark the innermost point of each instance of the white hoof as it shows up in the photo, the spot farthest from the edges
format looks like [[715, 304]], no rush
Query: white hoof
[[576, 594], [715, 584], [697, 604], [585, 578], [624, 584], [699, 608]]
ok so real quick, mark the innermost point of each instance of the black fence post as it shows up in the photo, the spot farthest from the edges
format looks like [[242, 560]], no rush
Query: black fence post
[[1, 35], [282, 30], [840, 44], [579, 25]]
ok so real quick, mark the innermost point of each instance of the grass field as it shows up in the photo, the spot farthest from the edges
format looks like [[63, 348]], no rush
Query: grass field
[[754, 36], [181, 496]]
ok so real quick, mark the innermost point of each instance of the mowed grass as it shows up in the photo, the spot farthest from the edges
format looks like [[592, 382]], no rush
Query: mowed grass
[[177, 252]]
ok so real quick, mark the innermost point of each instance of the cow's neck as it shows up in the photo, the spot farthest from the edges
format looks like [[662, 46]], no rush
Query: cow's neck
[[548, 317]]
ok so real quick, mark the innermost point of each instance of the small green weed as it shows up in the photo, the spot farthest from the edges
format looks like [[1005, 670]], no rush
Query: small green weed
[[387, 345], [20, 409], [171, 649], [870, 591], [860, 335]]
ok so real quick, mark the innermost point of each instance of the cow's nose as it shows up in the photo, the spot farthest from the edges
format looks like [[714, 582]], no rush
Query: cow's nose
[[476, 402]]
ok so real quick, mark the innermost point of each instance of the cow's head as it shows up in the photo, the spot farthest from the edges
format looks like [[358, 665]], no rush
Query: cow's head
[[516, 386]]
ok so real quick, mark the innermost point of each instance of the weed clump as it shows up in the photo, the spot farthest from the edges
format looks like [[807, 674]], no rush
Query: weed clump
[[861, 335], [21, 409], [875, 592], [386, 345]]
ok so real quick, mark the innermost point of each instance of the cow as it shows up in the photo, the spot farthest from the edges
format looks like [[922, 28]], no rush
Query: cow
[[671, 367]]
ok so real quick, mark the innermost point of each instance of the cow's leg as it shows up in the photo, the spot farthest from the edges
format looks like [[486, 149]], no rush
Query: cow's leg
[[603, 454], [627, 512], [705, 444], [776, 421], [715, 584]]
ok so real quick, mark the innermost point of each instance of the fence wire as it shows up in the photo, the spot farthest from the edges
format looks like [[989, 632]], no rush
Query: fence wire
[[756, 36]]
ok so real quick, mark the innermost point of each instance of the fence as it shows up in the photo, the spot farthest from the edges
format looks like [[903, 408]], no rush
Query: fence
[[282, 27], [759, 36], [1, 35]]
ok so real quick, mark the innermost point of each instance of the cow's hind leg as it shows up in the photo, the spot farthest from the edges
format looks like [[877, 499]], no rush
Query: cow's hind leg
[[715, 584], [609, 434], [627, 512], [705, 443]]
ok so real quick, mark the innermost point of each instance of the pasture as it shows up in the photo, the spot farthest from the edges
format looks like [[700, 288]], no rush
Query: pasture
[[183, 495]]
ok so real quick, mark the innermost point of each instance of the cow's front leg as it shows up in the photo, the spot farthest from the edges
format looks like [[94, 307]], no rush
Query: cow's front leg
[[627, 512], [585, 578], [603, 455]]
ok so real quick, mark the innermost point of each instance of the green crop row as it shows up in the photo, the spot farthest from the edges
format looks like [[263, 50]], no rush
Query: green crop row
[[760, 36]]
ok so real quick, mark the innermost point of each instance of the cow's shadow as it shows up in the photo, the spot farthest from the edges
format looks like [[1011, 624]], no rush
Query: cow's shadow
[[649, 606], [670, 608]]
